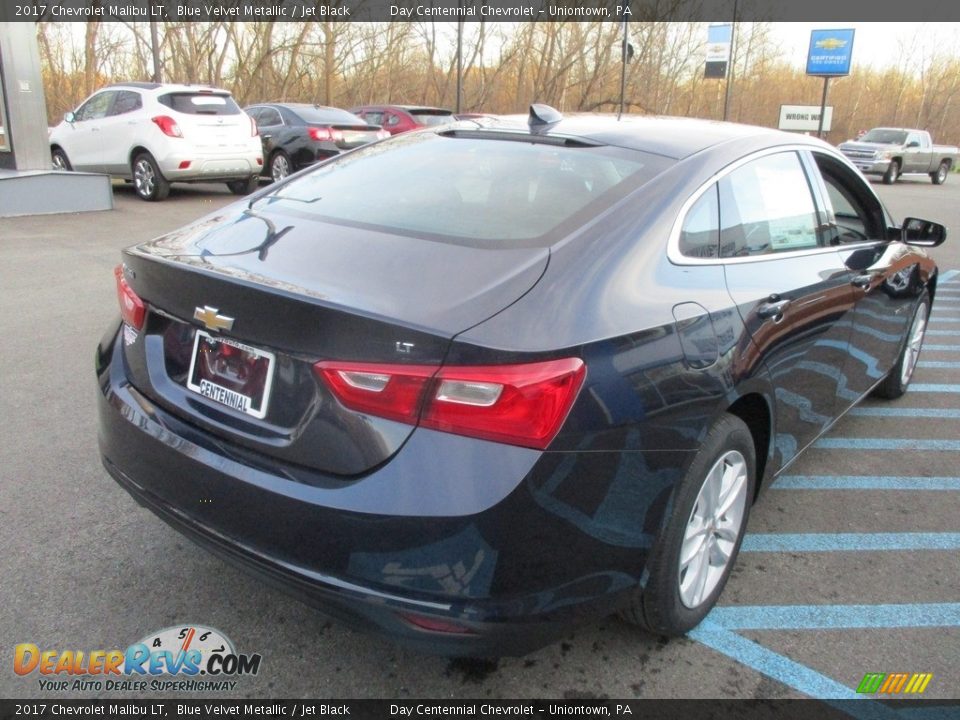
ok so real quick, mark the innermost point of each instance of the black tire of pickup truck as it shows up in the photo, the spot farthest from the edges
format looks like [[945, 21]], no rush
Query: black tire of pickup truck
[[940, 176], [892, 173]]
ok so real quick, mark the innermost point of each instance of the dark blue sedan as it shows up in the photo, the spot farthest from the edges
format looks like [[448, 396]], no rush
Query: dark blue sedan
[[475, 383]]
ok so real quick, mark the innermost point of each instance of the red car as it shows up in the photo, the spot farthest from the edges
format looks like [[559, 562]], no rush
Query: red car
[[401, 118]]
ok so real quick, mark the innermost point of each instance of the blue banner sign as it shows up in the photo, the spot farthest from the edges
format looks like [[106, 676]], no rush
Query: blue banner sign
[[830, 52]]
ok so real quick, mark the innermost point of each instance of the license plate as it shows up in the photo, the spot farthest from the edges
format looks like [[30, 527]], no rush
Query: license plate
[[231, 373]]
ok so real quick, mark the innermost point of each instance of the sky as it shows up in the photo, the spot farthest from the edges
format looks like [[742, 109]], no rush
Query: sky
[[877, 44]]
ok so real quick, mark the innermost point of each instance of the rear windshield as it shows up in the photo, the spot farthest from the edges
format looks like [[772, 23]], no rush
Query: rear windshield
[[469, 190], [887, 137], [200, 103], [431, 117], [330, 116]]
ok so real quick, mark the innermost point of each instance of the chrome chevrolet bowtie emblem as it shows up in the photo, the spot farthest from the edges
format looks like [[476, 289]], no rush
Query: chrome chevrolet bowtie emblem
[[212, 319]]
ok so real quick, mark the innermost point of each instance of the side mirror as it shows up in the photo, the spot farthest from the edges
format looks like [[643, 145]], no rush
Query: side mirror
[[913, 143], [69, 117], [923, 233]]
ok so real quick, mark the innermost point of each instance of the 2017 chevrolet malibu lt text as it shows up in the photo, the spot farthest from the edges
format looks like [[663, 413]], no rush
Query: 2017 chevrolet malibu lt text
[[471, 384]]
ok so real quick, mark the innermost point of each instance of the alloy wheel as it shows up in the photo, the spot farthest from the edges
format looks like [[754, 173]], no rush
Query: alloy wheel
[[712, 531], [914, 342], [280, 167], [143, 177]]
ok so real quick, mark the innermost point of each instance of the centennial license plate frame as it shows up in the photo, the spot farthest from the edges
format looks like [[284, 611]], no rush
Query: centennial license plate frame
[[220, 393]]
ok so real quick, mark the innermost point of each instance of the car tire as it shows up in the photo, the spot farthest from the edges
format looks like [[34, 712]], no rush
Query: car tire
[[711, 505], [940, 176], [244, 187], [280, 166], [59, 160], [148, 181], [892, 173], [898, 379]]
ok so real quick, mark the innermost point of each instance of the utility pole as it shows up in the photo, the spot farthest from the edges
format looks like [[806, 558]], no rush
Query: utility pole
[[733, 46], [155, 51]]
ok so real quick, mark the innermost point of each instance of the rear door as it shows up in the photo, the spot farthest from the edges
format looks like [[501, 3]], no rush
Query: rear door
[[916, 155], [270, 124], [792, 291], [120, 125]]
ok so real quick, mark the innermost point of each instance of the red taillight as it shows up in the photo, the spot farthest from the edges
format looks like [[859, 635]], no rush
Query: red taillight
[[253, 127], [167, 125], [132, 308], [184, 164], [324, 134], [517, 404], [389, 391]]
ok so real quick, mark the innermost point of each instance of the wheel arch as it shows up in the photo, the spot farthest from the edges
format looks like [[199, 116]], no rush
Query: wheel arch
[[136, 150], [754, 410]]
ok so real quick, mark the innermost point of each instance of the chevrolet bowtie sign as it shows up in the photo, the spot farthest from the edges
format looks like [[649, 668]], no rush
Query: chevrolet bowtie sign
[[211, 318]]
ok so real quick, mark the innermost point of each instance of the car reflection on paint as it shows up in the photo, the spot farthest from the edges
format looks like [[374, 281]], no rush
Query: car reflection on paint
[[521, 372]]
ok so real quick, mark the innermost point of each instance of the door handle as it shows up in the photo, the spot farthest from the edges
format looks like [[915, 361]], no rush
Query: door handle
[[266, 137], [863, 281], [773, 308]]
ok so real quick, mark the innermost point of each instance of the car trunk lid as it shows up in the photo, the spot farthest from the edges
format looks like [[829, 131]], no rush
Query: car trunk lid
[[301, 292]]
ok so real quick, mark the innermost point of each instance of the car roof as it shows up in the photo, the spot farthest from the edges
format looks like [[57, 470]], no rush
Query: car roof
[[159, 88], [406, 108], [674, 137], [296, 106]]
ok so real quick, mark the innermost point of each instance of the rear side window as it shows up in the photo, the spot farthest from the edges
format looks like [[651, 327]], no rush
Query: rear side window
[[469, 190], [126, 101], [328, 116], [191, 103], [700, 234], [269, 117], [766, 207]]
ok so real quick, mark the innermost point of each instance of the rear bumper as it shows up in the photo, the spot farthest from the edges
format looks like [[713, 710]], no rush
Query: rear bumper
[[206, 165], [512, 559]]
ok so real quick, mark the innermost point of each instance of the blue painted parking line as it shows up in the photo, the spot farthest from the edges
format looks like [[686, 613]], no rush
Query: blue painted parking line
[[805, 679], [942, 333], [863, 482], [949, 275], [834, 443], [935, 387], [831, 617], [941, 348], [935, 319], [849, 542], [949, 413], [767, 662], [939, 364]]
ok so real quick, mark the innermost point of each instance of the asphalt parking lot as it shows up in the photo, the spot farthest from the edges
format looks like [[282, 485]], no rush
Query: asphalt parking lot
[[852, 563]]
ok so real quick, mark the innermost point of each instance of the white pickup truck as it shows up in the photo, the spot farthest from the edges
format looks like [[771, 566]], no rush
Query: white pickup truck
[[892, 152]]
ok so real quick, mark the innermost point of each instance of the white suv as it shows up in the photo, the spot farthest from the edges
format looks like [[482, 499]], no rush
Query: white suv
[[153, 134]]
